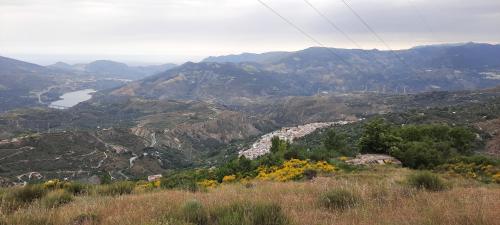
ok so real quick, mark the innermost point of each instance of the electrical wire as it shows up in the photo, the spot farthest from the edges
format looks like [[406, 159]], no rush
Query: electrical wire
[[333, 25], [308, 35], [363, 21]]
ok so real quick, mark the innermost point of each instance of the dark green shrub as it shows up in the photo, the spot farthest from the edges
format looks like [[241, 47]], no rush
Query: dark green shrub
[[56, 198], [417, 146], [25, 194], [104, 177], [336, 142], [278, 145], [241, 166], [293, 153], [340, 199], [75, 188], [245, 213], [377, 137], [249, 185], [270, 160], [194, 212], [476, 159], [180, 181], [268, 214], [420, 155], [310, 174], [117, 188], [426, 180]]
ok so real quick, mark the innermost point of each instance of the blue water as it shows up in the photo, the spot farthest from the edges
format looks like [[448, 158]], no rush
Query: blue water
[[71, 99]]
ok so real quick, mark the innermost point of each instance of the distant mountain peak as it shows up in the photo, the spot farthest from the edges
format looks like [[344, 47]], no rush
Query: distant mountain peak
[[61, 65], [246, 57]]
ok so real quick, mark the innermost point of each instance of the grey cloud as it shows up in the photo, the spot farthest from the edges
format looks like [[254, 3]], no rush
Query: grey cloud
[[180, 30]]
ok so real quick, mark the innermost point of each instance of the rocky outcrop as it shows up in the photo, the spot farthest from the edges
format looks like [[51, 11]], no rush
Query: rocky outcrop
[[373, 159]]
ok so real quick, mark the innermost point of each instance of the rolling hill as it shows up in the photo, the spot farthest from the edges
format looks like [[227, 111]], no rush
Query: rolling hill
[[24, 84], [18, 81], [113, 69], [320, 70]]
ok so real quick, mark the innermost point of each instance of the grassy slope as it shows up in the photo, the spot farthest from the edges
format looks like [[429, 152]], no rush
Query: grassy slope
[[386, 200]]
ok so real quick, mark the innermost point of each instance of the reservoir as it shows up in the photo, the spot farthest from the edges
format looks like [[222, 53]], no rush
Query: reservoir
[[71, 99]]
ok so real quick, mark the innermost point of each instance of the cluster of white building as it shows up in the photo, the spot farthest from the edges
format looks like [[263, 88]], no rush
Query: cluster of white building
[[262, 146]]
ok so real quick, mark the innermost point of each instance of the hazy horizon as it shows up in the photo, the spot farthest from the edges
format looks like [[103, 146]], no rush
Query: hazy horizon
[[132, 60], [153, 31]]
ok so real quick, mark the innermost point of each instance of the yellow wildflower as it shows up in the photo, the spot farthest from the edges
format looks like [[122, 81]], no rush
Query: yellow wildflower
[[292, 170], [51, 184], [496, 178], [343, 158], [208, 183], [229, 179]]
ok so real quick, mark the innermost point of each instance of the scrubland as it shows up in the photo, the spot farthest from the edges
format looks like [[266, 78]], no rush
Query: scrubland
[[378, 195]]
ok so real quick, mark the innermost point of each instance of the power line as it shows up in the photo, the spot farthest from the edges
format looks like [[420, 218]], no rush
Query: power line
[[421, 16], [337, 28], [367, 25], [375, 34], [306, 34], [332, 24]]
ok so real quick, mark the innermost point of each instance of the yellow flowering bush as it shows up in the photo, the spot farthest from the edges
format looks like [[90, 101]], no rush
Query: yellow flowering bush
[[53, 184], [156, 183], [343, 158], [142, 186], [323, 166], [292, 170], [475, 171], [208, 183], [496, 178], [229, 179]]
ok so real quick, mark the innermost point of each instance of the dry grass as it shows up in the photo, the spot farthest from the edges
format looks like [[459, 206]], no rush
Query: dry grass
[[386, 201]]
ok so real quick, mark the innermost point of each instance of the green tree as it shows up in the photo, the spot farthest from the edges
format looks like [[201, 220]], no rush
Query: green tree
[[419, 154], [336, 142], [430, 145], [462, 139], [275, 144], [278, 145], [377, 137], [241, 166]]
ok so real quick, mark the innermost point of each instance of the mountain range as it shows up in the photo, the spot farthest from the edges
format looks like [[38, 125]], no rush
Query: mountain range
[[113, 69], [311, 71], [201, 114], [24, 84]]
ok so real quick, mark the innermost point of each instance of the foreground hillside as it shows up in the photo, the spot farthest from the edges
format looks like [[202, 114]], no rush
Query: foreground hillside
[[377, 195]]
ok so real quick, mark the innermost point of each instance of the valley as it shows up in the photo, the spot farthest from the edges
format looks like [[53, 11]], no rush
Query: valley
[[138, 137], [204, 114], [25, 84]]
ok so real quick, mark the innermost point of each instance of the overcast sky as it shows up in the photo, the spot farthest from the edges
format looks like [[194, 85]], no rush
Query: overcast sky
[[159, 31]]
